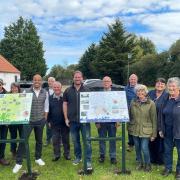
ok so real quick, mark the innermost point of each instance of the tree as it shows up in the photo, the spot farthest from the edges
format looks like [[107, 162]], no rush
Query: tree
[[21, 45], [112, 54], [147, 45], [85, 63]]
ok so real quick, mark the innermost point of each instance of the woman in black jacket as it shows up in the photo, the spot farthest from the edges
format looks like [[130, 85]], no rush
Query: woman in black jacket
[[169, 125]]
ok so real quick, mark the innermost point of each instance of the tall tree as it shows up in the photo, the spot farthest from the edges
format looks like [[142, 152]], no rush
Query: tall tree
[[112, 54], [22, 46], [147, 45], [85, 63]]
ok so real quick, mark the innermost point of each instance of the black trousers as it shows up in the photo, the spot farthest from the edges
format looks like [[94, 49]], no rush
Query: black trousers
[[60, 133], [14, 130], [3, 135], [38, 127]]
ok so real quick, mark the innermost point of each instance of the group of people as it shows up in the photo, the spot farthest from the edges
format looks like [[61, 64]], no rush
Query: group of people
[[153, 129]]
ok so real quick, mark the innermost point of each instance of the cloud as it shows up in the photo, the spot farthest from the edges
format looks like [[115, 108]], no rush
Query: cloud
[[68, 27]]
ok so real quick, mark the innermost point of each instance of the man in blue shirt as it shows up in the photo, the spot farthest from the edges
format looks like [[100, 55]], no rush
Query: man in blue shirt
[[130, 93]]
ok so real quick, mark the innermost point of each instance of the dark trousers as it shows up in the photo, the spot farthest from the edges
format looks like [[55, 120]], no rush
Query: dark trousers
[[14, 130], [75, 129], [48, 133], [169, 143], [60, 133], [156, 149], [130, 140], [107, 130], [37, 126], [3, 135]]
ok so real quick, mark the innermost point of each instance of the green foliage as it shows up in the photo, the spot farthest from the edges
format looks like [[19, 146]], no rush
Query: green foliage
[[113, 52], [21, 45], [62, 74], [85, 63]]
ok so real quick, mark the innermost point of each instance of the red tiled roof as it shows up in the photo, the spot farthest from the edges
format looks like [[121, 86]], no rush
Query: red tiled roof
[[6, 66]]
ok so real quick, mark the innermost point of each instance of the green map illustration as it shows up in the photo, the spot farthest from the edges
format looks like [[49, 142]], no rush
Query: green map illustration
[[15, 108]]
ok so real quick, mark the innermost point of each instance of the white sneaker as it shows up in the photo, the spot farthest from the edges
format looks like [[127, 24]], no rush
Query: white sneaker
[[16, 168], [40, 162]]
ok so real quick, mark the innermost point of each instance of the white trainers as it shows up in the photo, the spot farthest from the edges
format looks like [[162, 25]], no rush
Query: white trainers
[[16, 168], [40, 162]]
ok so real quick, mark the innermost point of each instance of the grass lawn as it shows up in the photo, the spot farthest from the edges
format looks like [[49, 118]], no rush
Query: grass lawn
[[64, 169]]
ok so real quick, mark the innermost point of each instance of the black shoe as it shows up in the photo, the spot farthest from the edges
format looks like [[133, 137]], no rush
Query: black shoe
[[177, 176], [67, 157], [55, 159], [166, 172], [139, 166], [113, 161], [101, 159], [147, 168]]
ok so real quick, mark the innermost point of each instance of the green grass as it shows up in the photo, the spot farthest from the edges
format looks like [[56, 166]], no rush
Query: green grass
[[64, 170]]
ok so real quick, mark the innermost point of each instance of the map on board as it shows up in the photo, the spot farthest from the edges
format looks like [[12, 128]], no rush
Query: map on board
[[105, 106], [15, 108]]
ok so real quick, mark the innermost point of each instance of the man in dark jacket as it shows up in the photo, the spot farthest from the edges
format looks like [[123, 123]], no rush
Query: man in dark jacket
[[71, 101], [57, 123], [130, 94], [3, 132]]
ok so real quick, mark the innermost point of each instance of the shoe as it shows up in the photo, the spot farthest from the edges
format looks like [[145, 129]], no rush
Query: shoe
[[16, 168], [67, 157], [166, 172], [147, 168], [40, 162], [129, 148], [139, 166], [55, 159], [77, 161], [89, 166], [101, 158], [177, 176], [4, 162], [113, 161]]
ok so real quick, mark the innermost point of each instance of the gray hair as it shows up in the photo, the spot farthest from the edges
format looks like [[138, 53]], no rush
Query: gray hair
[[141, 87], [175, 80], [51, 78], [57, 83]]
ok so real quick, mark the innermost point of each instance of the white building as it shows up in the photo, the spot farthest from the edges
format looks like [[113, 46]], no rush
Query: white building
[[8, 73]]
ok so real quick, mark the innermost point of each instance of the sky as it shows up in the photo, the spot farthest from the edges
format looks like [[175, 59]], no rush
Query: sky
[[68, 27]]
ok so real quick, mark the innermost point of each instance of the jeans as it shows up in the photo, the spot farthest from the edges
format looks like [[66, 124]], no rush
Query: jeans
[[13, 134], [3, 135], [107, 130], [169, 143], [38, 127], [48, 133], [141, 147], [58, 133], [75, 129]]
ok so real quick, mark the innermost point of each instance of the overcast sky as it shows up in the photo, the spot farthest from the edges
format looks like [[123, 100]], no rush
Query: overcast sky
[[68, 27]]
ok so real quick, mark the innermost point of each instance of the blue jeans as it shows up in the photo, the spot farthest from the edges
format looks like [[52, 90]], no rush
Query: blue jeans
[[75, 129], [107, 130], [141, 147], [169, 143]]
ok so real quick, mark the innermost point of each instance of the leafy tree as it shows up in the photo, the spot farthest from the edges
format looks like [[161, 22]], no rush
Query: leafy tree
[[112, 54], [147, 45], [85, 63], [22, 46]]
